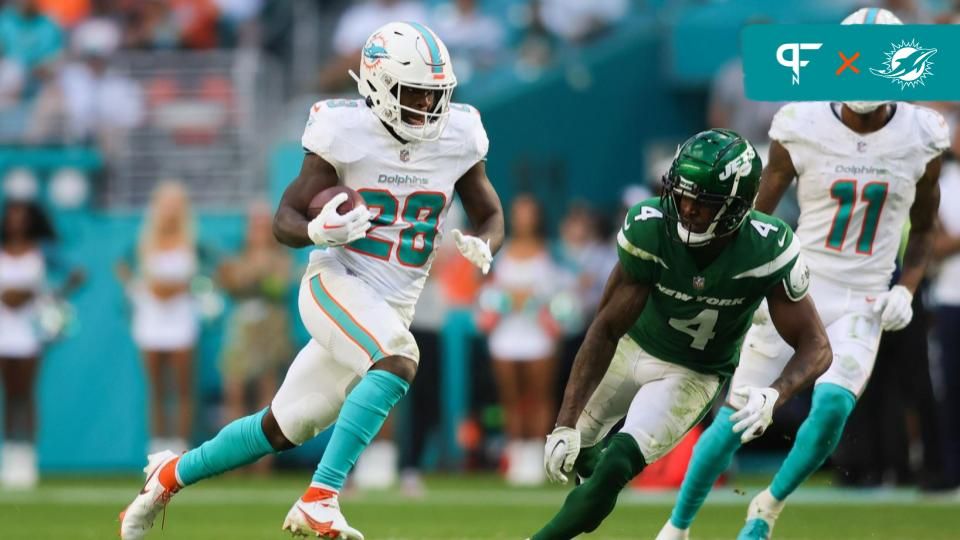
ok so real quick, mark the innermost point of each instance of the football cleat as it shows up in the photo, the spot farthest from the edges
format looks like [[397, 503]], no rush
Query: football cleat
[[139, 516], [669, 532], [761, 515], [318, 514]]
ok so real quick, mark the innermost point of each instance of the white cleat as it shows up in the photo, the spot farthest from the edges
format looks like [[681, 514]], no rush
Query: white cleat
[[139, 516], [318, 514], [761, 515], [669, 532]]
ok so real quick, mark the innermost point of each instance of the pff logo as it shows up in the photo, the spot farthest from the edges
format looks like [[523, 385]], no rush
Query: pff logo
[[907, 64], [794, 62]]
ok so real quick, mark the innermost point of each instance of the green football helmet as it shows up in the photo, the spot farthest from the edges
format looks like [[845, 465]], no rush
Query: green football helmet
[[718, 169]]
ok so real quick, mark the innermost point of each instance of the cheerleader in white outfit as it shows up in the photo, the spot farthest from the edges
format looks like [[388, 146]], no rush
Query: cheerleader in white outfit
[[22, 278], [523, 339], [166, 322]]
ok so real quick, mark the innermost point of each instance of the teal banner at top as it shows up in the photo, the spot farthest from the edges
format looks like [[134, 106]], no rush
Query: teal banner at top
[[832, 62]]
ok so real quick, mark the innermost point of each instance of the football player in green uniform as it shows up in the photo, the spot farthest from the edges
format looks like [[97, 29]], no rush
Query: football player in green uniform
[[694, 265]]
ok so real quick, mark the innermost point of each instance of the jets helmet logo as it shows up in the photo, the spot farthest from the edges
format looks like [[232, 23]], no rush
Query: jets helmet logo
[[740, 165]]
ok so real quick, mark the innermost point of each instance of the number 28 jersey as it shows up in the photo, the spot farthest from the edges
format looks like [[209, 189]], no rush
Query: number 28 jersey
[[407, 187], [855, 190], [697, 317]]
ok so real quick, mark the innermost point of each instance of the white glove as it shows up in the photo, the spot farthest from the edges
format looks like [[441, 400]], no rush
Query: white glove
[[894, 308], [560, 453], [757, 414], [474, 249], [330, 228]]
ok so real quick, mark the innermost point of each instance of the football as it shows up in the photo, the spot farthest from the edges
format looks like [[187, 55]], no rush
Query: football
[[321, 199]]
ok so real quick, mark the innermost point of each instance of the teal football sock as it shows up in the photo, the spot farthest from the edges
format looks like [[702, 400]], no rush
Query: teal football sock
[[240, 443], [361, 417], [592, 501], [711, 456], [817, 438]]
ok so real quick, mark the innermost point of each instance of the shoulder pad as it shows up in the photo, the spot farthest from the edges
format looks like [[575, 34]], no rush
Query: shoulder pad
[[934, 132], [328, 125], [643, 228], [785, 126], [466, 120]]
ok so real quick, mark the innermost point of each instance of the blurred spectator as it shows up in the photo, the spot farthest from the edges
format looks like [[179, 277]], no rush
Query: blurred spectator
[[951, 15], [946, 293], [165, 318], [475, 40], [909, 11], [523, 338], [576, 21], [67, 13], [729, 107], [353, 29], [30, 45], [257, 339], [24, 231], [591, 259], [197, 23], [238, 21], [91, 101], [151, 24]]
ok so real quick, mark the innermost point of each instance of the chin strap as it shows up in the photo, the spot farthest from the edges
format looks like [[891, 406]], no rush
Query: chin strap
[[691, 238]]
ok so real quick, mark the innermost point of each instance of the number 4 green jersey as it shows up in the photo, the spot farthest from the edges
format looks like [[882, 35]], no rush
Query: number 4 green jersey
[[696, 317]]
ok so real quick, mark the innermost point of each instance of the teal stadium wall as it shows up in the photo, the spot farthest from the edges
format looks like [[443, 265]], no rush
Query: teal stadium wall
[[92, 388]]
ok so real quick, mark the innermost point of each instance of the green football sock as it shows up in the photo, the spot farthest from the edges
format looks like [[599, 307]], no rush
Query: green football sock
[[817, 438], [711, 456], [587, 460], [592, 501]]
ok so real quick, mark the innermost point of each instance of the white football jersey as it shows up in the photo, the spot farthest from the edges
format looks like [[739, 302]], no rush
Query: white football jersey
[[407, 187], [855, 190]]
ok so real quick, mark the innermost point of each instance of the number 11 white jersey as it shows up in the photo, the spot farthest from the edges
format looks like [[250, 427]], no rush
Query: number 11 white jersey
[[408, 188], [855, 190]]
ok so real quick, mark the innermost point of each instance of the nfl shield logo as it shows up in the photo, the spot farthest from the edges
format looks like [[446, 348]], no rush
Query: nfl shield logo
[[404, 155], [698, 282]]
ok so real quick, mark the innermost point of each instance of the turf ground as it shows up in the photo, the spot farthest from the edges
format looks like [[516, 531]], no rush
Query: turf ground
[[240, 508]]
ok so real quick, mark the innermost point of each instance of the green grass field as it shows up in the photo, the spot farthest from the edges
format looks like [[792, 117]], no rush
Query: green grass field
[[240, 508]]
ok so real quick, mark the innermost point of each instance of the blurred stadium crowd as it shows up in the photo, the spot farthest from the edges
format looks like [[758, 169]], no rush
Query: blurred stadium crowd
[[178, 98]]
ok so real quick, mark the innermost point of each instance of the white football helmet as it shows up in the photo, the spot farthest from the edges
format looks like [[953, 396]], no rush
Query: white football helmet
[[869, 16], [407, 55]]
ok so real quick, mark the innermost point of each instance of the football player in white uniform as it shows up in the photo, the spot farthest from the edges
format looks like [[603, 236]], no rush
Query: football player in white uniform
[[405, 148], [864, 169]]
